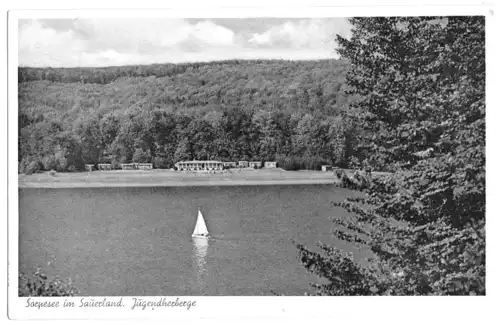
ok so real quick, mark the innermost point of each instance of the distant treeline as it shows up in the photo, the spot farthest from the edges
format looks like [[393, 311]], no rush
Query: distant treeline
[[106, 75], [259, 110]]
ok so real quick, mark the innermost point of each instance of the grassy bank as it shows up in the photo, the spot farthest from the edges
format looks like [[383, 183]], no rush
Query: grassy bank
[[122, 178]]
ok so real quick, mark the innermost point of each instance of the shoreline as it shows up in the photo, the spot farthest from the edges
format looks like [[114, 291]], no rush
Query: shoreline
[[164, 178], [177, 184]]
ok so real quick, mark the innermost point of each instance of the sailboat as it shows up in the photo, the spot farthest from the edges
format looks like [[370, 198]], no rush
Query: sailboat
[[200, 230]]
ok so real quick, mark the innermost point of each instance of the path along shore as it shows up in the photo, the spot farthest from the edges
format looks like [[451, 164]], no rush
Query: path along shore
[[169, 178]]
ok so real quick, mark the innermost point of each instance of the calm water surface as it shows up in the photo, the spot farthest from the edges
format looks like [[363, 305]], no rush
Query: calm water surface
[[137, 241]]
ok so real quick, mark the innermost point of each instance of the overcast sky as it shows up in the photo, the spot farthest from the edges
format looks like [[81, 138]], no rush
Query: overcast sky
[[110, 42]]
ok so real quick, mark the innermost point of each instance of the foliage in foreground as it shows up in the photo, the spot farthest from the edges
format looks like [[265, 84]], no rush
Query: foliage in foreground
[[423, 82], [39, 285]]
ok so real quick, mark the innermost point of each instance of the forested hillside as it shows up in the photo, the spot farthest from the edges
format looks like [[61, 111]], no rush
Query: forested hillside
[[259, 110]]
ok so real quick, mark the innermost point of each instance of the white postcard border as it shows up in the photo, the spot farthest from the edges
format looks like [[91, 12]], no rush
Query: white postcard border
[[461, 309]]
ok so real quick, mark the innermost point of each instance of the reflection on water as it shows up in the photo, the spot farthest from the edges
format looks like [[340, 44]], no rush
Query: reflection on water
[[200, 248], [137, 241]]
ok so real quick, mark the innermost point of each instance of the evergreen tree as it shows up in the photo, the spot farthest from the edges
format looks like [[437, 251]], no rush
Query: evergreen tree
[[422, 82]]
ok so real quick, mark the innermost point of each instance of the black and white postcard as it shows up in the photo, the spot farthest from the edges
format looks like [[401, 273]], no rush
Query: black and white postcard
[[248, 161]]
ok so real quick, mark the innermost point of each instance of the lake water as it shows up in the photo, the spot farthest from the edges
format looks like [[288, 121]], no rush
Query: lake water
[[137, 241]]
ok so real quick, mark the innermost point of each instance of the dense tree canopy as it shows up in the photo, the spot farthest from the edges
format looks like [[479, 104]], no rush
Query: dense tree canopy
[[422, 82], [252, 110], [291, 86]]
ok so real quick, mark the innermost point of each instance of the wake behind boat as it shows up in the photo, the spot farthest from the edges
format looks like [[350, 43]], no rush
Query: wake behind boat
[[200, 229]]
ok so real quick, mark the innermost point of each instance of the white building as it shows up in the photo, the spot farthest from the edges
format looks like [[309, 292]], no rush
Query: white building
[[127, 166], [270, 164], [255, 164], [326, 168], [104, 166], [230, 164], [200, 165], [242, 164], [144, 166]]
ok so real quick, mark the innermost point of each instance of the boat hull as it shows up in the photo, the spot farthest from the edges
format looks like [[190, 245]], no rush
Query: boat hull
[[200, 236]]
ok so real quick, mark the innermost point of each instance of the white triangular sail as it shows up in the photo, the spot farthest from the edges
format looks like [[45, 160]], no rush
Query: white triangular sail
[[200, 230]]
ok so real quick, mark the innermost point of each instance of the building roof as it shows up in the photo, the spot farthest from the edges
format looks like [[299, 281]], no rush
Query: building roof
[[200, 162]]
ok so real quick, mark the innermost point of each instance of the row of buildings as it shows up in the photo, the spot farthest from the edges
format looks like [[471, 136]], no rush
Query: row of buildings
[[193, 165], [219, 165], [141, 166]]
